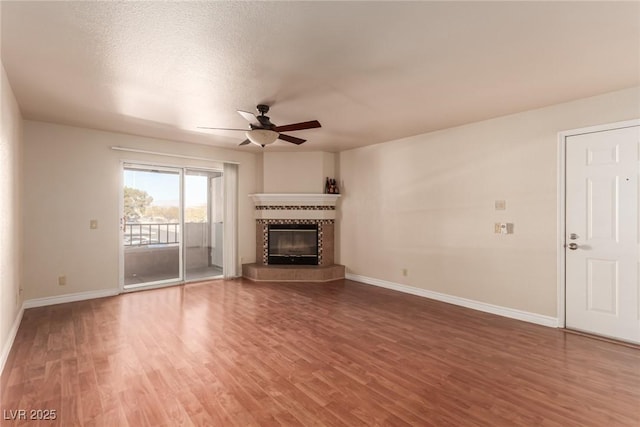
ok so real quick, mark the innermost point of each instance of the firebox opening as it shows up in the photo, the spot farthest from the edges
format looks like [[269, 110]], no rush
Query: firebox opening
[[293, 244]]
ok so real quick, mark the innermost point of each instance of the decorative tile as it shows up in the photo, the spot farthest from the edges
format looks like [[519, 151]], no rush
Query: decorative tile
[[295, 208], [295, 221]]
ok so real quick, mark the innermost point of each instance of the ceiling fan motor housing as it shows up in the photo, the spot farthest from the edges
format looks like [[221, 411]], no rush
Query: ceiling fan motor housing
[[263, 109], [265, 123]]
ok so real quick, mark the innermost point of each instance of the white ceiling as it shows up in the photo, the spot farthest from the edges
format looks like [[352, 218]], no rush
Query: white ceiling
[[368, 71]]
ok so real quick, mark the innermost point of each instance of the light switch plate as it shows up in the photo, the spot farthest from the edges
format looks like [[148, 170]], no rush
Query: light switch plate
[[501, 205], [503, 228], [93, 224]]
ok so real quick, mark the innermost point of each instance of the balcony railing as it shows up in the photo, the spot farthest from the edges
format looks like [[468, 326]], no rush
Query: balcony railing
[[143, 234]]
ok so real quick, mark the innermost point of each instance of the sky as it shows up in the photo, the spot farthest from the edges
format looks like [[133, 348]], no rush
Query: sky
[[164, 187]]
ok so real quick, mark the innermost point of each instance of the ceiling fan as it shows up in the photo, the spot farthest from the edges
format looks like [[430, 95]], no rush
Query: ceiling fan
[[263, 132]]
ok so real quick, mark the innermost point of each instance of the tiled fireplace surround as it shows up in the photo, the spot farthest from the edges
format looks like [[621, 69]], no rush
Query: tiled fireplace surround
[[317, 209]]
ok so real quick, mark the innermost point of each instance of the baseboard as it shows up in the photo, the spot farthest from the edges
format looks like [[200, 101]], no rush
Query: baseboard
[[512, 313], [6, 349], [61, 299]]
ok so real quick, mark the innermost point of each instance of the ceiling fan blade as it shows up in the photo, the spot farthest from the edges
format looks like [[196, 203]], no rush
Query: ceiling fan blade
[[250, 117], [245, 142], [292, 139], [298, 126], [202, 127]]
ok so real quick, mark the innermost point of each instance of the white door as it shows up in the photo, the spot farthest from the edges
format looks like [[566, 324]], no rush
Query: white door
[[603, 233]]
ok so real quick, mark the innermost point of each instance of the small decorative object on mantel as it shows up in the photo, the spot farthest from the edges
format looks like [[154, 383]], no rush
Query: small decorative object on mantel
[[331, 186]]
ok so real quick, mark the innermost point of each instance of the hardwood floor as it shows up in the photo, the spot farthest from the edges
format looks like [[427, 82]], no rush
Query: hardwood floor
[[227, 353]]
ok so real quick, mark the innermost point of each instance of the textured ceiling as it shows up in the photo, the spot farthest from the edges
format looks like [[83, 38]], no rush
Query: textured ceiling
[[368, 71]]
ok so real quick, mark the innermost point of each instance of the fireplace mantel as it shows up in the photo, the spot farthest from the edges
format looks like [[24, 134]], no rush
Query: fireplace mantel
[[306, 206], [302, 199]]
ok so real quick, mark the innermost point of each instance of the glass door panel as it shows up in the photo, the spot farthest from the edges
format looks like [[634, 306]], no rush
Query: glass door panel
[[151, 226], [202, 224]]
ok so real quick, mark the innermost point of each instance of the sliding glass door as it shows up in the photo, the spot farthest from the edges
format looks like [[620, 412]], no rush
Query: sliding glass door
[[171, 225], [151, 225], [203, 224]]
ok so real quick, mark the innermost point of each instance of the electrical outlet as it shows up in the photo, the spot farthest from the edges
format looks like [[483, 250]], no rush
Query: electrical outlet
[[62, 280], [405, 272]]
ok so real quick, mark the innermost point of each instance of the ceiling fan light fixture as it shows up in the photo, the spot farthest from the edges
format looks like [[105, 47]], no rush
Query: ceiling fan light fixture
[[262, 137]]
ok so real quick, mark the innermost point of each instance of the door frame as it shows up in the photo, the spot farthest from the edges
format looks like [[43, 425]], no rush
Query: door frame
[[561, 204], [209, 212], [161, 283], [146, 163]]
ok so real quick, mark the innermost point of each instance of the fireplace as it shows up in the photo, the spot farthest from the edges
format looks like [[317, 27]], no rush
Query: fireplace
[[293, 244], [294, 238]]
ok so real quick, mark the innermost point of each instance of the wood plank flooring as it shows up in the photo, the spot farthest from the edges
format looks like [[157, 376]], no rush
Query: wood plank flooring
[[237, 353]]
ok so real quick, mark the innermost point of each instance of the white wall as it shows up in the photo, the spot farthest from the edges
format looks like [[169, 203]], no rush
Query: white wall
[[260, 172], [72, 176], [426, 203], [10, 216], [293, 172]]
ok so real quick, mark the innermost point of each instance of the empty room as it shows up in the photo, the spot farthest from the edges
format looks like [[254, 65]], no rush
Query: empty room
[[256, 213]]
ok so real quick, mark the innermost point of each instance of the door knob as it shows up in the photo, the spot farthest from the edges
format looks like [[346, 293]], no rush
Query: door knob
[[572, 246]]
